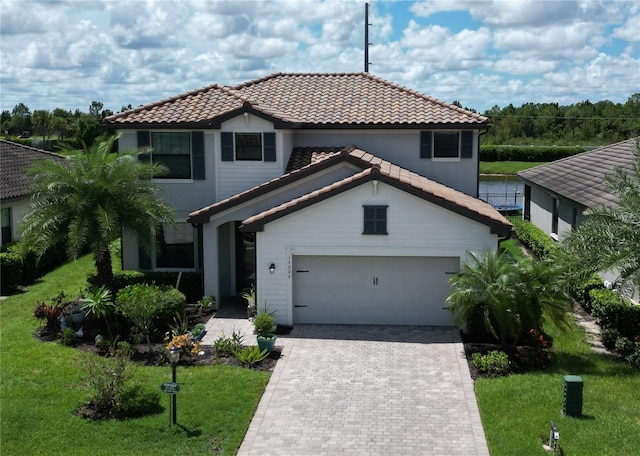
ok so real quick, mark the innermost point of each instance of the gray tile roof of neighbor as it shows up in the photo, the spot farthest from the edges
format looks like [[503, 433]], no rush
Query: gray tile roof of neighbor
[[580, 178], [298, 100], [15, 159]]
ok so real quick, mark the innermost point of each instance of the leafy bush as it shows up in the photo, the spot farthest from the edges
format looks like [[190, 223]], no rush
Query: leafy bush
[[149, 307], [105, 380], [126, 349], [136, 401], [226, 346], [614, 311], [624, 346], [190, 282], [634, 358], [533, 237], [609, 337], [10, 271], [67, 336], [493, 152], [494, 364], [50, 313], [580, 290], [250, 356], [188, 348]]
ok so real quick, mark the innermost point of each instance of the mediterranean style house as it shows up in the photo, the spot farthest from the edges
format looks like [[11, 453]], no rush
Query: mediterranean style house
[[15, 159], [344, 198]]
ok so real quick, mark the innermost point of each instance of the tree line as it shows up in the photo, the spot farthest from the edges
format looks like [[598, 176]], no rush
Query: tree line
[[77, 129], [583, 123]]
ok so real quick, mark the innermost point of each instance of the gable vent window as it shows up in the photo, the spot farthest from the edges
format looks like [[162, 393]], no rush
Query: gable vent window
[[446, 145], [375, 220]]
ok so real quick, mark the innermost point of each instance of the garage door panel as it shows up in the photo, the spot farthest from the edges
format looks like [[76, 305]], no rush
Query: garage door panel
[[372, 290]]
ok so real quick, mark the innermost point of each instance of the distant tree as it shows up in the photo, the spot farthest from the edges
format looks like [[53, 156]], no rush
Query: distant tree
[[87, 129], [126, 108], [21, 118], [61, 123], [5, 121], [41, 122], [95, 109], [90, 200]]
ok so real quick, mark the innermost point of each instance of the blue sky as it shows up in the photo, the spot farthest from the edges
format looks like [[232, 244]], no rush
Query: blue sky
[[67, 53]]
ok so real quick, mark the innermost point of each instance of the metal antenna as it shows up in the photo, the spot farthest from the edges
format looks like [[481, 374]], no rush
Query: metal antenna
[[366, 37]]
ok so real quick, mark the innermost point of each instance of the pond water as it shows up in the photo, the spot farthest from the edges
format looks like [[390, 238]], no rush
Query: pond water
[[501, 190]]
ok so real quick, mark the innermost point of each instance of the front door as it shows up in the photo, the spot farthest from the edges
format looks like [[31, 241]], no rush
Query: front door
[[245, 259]]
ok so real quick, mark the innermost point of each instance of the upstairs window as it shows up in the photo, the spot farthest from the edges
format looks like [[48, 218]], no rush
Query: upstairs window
[[375, 220], [181, 152], [446, 144], [249, 146]]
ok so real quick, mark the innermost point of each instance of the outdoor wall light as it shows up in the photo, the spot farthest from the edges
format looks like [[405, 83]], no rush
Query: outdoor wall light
[[272, 268]]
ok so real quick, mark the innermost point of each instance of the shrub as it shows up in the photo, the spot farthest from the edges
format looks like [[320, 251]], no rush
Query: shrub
[[580, 290], [533, 237], [136, 401], [126, 349], [250, 356], [493, 364], [226, 346], [614, 311], [188, 348], [624, 346], [67, 336], [149, 307], [609, 337], [51, 313], [105, 381], [190, 282], [634, 358], [10, 271]]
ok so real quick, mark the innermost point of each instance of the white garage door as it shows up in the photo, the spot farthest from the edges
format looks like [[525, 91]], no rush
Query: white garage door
[[372, 290]]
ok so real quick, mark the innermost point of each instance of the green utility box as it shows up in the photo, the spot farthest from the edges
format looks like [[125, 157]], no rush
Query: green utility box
[[572, 404]]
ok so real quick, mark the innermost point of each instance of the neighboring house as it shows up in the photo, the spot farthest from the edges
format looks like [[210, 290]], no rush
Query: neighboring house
[[558, 193], [14, 184], [345, 198]]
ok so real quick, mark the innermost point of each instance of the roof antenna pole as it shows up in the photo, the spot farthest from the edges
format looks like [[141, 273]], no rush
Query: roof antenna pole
[[366, 37]]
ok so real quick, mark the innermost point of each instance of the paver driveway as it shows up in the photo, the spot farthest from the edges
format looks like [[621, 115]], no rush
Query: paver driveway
[[368, 390]]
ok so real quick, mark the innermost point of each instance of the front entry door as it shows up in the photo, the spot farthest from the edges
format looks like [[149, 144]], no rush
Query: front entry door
[[245, 259]]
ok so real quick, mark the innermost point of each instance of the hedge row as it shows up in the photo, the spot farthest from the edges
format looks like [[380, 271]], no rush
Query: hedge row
[[492, 152], [18, 269], [190, 282], [533, 237], [615, 312]]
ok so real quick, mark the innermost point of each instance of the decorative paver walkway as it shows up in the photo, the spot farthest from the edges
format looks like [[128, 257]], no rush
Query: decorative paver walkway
[[368, 390]]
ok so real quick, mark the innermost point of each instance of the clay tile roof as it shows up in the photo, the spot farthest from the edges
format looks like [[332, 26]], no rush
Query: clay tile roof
[[352, 99], [15, 159], [580, 178], [392, 174], [304, 156], [312, 99]]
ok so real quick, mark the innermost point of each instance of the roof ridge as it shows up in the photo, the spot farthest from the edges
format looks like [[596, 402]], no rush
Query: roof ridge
[[180, 96], [302, 74]]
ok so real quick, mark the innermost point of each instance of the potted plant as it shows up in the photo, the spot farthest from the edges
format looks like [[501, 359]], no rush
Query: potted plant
[[76, 312], [249, 294], [264, 324], [198, 332]]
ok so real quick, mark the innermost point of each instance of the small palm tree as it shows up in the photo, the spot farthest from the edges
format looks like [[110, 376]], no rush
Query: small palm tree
[[609, 238], [509, 293], [89, 200]]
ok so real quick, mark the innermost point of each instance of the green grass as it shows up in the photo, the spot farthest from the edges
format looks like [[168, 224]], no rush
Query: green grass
[[38, 393], [517, 410], [506, 167]]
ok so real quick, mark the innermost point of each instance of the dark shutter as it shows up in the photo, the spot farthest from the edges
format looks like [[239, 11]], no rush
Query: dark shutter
[[144, 141], [425, 144], [467, 144], [269, 147], [226, 151], [197, 152]]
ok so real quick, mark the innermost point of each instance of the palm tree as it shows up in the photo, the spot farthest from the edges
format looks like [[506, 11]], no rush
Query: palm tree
[[508, 294], [89, 200], [609, 238]]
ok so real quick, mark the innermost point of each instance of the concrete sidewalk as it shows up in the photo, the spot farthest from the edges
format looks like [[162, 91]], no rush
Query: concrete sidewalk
[[368, 390]]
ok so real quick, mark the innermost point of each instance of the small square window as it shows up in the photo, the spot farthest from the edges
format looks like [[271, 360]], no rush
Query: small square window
[[375, 220], [446, 144], [249, 146]]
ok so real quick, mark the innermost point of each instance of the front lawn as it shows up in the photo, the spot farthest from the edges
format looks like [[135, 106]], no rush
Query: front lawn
[[39, 394], [517, 410]]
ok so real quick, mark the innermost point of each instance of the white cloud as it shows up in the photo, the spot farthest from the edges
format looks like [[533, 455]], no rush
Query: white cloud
[[630, 31]]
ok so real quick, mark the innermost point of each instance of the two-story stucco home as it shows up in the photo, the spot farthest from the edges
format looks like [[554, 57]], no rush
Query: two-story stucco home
[[345, 198]]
